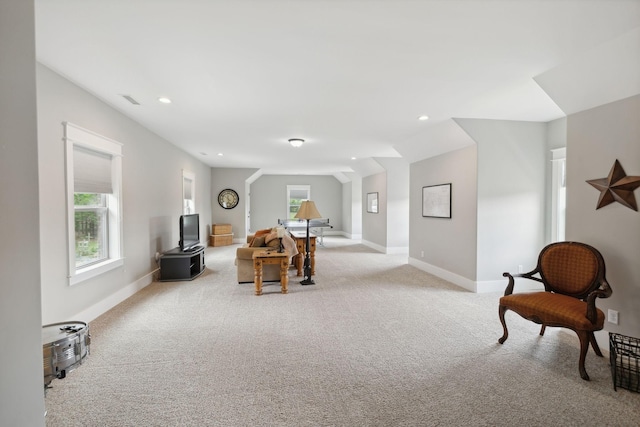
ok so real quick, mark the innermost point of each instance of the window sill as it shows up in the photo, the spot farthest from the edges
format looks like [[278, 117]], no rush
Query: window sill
[[95, 270]]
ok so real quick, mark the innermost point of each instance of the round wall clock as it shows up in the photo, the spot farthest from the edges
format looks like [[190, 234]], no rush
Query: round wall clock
[[228, 199]]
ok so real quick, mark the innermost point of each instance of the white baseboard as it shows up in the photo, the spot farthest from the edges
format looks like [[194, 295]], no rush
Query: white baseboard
[[114, 299], [349, 235], [454, 278], [473, 285], [399, 250], [374, 246]]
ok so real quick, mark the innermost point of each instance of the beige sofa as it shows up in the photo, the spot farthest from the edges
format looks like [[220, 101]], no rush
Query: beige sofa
[[270, 272]]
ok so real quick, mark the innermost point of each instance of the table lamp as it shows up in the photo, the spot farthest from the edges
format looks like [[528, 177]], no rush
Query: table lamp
[[308, 211], [280, 231]]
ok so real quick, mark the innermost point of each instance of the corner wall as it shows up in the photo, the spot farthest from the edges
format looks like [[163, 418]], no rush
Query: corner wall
[[596, 138], [21, 389], [269, 199], [446, 247], [152, 199], [374, 225], [235, 179], [511, 196]]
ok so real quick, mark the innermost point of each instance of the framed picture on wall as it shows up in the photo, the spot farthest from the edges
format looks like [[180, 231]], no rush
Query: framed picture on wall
[[436, 201], [372, 202]]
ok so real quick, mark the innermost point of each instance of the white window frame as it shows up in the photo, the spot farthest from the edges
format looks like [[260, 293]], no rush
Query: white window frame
[[291, 188], [558, 194], [76, 136]]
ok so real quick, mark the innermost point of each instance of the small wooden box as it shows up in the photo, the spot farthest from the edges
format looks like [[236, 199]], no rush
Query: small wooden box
[[221, 229], [221, 239]]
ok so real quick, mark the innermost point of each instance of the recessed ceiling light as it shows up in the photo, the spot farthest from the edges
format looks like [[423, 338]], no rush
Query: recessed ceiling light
[[423, 118], [220, 154], [296, 142], [164, 100], [353, 158]]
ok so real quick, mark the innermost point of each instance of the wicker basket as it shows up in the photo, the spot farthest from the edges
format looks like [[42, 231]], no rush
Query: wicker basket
[[624, 355]]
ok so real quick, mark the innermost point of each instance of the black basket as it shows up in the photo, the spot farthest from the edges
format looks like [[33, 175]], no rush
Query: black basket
[[624, 354]]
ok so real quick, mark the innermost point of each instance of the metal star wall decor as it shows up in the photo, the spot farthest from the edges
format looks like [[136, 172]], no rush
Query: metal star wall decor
[[617, 187]]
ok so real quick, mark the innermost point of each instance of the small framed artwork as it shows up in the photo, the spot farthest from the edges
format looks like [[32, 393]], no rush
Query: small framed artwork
[[436, 201], [372, 202]]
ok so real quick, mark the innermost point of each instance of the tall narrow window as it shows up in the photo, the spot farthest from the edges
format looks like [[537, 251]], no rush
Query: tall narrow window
[[188, 192], [296, 194], [558, 194], [94, 203]]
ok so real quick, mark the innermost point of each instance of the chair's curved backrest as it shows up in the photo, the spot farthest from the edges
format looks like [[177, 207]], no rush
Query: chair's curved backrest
[[571, 268]]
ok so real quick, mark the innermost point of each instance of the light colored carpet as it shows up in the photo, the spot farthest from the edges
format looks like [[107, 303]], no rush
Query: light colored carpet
[[375, 342]]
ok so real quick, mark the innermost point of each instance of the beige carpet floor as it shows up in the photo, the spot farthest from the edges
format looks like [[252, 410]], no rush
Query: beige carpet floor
[[375, 342]]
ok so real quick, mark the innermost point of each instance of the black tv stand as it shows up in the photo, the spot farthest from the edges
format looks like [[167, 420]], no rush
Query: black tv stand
[[177, 264]]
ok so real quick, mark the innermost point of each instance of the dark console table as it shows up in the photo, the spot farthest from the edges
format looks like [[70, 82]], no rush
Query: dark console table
[[181, 265]]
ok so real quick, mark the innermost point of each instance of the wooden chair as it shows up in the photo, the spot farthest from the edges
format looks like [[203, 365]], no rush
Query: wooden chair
[[573, 275]]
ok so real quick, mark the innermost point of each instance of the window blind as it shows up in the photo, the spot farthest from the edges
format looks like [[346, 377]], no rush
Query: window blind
[[91, 171]]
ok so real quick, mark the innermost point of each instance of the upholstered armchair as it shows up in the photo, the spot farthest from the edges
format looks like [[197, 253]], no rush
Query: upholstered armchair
[[573, 275]]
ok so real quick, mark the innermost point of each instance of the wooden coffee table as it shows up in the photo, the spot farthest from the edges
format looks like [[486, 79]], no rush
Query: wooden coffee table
[[271, 257]]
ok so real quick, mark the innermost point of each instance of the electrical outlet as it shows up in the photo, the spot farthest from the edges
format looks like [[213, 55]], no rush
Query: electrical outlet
[[612, 316], [520, 269], [421, 254]]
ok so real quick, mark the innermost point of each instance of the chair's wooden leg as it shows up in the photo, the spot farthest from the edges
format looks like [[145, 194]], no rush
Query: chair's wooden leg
[[501, 311], [594, 344], [584, 346], [542, 329]]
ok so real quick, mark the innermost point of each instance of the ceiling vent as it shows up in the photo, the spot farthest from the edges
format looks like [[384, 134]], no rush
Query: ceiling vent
[[130, 99]]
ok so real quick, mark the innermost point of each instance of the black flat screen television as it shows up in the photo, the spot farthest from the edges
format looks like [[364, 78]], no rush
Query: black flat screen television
[[189, 231]]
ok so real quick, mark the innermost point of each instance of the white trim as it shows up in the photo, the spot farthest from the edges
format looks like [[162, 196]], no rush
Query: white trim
[[394, 250], [345, 234], [454, 278], [89, 139], [290, 188], [558, 205], [559, 153], [114, 299], [374, 246], [94, 270], [75, 135], [472, 285]]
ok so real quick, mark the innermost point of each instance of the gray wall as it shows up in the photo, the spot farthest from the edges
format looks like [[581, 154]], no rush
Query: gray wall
[[596, 138], [374, 225], [397, 203], [235, 179], [511, 194], [269, 198], [352, 207], [448, 244], [21, 389], [152, 199]]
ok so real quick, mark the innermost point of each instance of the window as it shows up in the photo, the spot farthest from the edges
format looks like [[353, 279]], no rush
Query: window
[[296, 194], [94, 169], [188, 192], [558, 194]]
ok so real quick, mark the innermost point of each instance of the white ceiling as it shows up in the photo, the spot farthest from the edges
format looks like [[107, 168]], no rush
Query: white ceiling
[[350, 77]]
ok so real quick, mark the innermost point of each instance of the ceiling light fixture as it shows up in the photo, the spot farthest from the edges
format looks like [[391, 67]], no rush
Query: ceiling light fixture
[[423, 118], [296, 142], [164, 100]]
